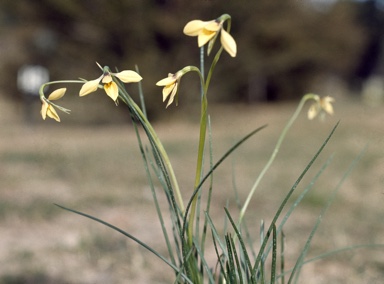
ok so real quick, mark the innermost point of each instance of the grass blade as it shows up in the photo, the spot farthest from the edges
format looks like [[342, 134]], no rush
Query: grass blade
[[239, 268], [296, 270], [282, 257], [300, 198], [154, 195], [243, 247], [204, 263], [231, 270], [274, 255], [233, 148], [282, 205], [131, 237]]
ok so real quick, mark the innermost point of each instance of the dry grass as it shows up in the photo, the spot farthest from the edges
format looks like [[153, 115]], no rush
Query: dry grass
[[98, 170]]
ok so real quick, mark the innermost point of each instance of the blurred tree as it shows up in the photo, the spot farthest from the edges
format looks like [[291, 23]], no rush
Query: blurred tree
[[283, 45], [371, 18]]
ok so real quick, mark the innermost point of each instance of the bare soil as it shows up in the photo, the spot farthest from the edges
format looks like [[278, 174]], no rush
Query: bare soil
[[97, 169]]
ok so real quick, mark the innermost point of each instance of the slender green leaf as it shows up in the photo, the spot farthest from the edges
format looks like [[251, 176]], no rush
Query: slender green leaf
[[282, 257], [274, 255], [236, 257], [344, 249], [131, 237], [296, 270], [282, 205], [204, 263], [157, 205], [233, 148], [231, 270], [220, 261], [242, 245], [300, 198]]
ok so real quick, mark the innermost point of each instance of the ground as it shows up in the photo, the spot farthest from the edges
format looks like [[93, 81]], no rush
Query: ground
[[97, 169]]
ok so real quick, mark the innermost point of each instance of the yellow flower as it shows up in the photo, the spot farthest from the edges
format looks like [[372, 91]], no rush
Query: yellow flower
[[47, 108], [170, 84], [207, 31], [321, 105], [110, 87]]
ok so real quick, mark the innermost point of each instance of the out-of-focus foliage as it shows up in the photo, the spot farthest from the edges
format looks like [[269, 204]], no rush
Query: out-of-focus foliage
[[284, 46]]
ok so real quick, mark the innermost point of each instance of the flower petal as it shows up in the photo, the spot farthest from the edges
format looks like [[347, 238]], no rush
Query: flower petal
[[57, 94], [193, 28], [313, 111], [172, 97], [51, 112], [228, 43], [89, 87], [111, 90], [166, 81], [204, 37], [326, 104], [44, 108], [213, 26], [128, 76], [107, 78], [167, 90]]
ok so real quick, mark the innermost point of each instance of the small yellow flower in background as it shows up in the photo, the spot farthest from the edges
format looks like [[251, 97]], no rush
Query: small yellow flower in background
[[110, 87], [47, 108], [207, 31], [320, 106], [170, 87]]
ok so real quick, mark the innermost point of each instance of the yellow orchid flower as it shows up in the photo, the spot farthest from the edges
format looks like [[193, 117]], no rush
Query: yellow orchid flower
[[47, 108], [170, 87], [109, 85], [207, 31], [320, 105]]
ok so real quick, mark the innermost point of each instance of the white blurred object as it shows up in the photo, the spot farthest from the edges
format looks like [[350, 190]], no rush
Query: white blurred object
[[31, 77], [373, 91]]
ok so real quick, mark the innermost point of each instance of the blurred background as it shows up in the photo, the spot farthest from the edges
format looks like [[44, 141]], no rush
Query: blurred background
[[89, 161], [285, 47]]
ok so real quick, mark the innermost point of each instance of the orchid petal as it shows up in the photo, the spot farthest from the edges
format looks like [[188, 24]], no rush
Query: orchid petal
[[51, 112], [313, 111], [167, 90], [228, 43], [213, 26], [193, 28], [128, 76], [172, 97], [106, 79], [112, 90], [57, 94], [89, 87], [204, 37], [167, 81], [44, 108], [326, 104]]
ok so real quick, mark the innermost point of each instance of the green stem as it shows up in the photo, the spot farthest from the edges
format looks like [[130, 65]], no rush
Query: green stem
[[41, 90], [199, 164], [159, 146], [203, 130], [274, 154]]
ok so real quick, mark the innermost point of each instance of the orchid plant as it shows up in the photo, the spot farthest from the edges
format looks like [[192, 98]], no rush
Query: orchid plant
[[186, 245]]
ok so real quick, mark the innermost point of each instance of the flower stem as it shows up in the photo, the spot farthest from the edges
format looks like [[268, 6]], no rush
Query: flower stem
[[200, 153], [274, 154], [155, 139], [41, 90]]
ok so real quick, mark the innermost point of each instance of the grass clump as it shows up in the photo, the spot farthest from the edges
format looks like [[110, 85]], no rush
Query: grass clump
[[192, 234]]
